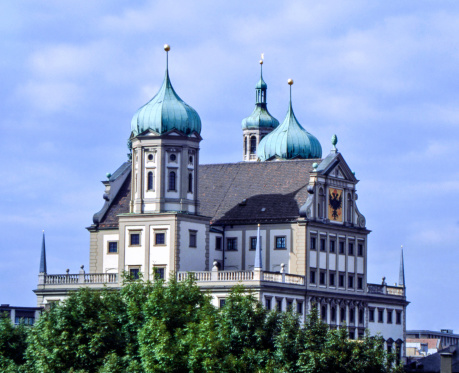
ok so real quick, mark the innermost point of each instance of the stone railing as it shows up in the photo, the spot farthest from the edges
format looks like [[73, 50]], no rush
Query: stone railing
[[81, 278], [386, 290]]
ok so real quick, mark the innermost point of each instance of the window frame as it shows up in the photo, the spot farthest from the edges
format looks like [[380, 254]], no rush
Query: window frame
[[193, 236], [381, 315], [323, 278], [389, 314], [135, 233], [133, 268], [312, 276], [350, 281], [350, 248], [322, 244], [313, 243], [342, 247], [371, 315], [398, 317], [360, 249], [341, 280], [332, 278], [331, 246], [190, 182], [252, 243], [158, 270], [157, 235], [360, 284], [299, 307], [108, 248], [150, 181], [172, 179], [233, 245], [218, 239], [268, 303], [281, 238]]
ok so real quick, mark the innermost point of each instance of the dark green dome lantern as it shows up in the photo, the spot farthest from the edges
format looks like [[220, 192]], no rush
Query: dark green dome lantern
[[289, 140], [260, 117], [166, 111]]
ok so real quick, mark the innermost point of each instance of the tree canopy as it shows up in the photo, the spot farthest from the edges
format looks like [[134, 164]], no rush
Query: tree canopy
[[173, 327]]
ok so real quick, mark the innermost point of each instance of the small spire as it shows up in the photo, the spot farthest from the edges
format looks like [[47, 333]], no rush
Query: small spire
[[258, 258], [290, 83], [43, 256], [167, 48], [401, 280]]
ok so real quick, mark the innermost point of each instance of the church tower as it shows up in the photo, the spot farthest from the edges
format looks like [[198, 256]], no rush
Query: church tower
[[165, 137], [259, 123]]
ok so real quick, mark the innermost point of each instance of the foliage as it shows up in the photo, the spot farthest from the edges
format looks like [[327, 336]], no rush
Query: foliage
[[173, 327]]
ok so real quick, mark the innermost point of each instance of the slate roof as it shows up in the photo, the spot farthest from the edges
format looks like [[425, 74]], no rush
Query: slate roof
[[239, 193]]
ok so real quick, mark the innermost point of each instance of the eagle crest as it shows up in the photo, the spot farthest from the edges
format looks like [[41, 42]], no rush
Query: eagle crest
[[335, 202]]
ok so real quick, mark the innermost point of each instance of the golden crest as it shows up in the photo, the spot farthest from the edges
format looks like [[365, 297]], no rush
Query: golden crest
[[335, 204]]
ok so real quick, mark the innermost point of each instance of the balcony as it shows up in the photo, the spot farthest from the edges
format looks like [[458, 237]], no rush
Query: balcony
[[398, 291]]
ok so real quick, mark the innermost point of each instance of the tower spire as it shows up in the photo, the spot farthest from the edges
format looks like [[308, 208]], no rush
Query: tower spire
[[258, 259], [167, 48], [401, 280], [43, 256]]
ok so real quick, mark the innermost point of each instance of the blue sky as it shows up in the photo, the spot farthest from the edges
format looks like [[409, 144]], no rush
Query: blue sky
[[383, 76]]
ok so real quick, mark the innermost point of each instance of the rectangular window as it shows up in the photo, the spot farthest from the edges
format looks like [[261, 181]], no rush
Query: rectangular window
[[352, 316], [323, 313], [221, 302], [281, 242], [360, 250], [289, 305], [333, 314], [193, 239], [134, 239], [134, 272], [371, 315], [218, 243], [351, 248], [268, 303], [331, 279], [398, 317], [341, 280], [160, 238], [279, 304], [360, 282], [332, 246], [350, 281], [299, 307], [312, 276], [231, 244], [322, 244], [159, 272], [361, 316], [322, 277], [253, 243], [112, 247], [389, 316], [380, 315], [342, 316], [313, 243], [341, 247]]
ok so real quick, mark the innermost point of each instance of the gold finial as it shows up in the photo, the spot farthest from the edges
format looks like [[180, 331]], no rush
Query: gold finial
[[259, 224], [261, 62], [167, 47], [290, 81]]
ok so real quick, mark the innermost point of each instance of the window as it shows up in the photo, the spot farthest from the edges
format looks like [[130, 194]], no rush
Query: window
[[253, 243], [322, 278], [352, 316], [360, 249], [172, 178], [341, 280], [160, 238], [351, 248], [150, 181], [190, 183], [350, 281], [190, 159], [268, 303], [312, 276], [245, 145], [341, 247], [221, 302], [313, 243], [333, 314], [150, 157], [371, 315], [218, 243], [380, 315], [280, 242], [360, 282], [134, 239], [299, 307], [331, 279], [159, 272], [24, 320], [279, 304], [112, 247], [289, 305], [134, 272], [323, 313], [361, 316], [321, 205], [322, 244], [193, 235], [398, 317], [352, 333], [342, 314], [389, 316], [332, 246], [253, 145], [231, 244], [172, 157]]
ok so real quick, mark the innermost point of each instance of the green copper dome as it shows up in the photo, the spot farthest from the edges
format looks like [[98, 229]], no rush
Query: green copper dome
[[289, 141], [165, 112], [260, 116]]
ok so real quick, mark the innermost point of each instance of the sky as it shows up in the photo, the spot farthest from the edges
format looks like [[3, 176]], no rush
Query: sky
[[382, 76]]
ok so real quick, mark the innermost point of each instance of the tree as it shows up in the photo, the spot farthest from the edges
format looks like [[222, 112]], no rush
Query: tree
[[12, 344]]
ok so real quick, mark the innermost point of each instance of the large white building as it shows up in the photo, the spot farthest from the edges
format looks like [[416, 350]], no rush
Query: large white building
[[284, 222]]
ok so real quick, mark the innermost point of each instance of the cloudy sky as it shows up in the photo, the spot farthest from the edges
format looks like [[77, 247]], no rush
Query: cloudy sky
[[383, 76]]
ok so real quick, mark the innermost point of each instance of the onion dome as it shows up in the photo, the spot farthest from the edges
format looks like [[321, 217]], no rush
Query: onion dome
[[260, 118], [166, 111], [289, 140]]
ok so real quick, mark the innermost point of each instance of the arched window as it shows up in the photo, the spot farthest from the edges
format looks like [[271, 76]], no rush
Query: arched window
[[190, 183], [172, 180], [151, 181], [349, 207], [245, 146], [321, 205], [253, 145]]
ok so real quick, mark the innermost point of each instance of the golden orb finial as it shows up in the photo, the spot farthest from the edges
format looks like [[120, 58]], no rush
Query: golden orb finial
[[290, 81], [261, 62], [167, 47]]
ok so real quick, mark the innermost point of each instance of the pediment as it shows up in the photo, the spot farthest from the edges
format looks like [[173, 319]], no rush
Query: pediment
[[335, 166]]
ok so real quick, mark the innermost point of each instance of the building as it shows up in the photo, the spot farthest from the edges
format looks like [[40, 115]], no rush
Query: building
[[427, 342], [286, 226], [20, 315]]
